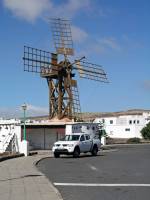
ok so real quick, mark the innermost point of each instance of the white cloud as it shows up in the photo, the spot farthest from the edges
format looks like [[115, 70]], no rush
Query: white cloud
[[78, 34], [95, 48], [16, 112], [109, 43], [37, 109], [29, 10], [8, 113], [75, 5], [71, 8], [99, 46]]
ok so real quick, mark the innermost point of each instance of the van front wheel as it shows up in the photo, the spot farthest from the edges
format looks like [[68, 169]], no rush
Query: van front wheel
[[94, 151], [76, 152], [56, 155]]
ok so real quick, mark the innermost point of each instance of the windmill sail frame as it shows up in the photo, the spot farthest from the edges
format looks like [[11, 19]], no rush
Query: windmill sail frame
[[62, 36], [63, 91]]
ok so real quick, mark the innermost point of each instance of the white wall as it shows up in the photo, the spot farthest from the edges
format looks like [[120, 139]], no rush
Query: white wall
[[18, 137], [9, 129], [89, 128], [125, 126]]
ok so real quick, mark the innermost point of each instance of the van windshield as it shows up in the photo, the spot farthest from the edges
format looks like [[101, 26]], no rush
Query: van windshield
[[71, 138]]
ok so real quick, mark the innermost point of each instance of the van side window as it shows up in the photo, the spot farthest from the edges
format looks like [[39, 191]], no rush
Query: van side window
[[87, 137], [82, 138]]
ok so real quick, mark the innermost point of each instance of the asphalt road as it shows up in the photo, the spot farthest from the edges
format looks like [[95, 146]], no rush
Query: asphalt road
[[114, 175]]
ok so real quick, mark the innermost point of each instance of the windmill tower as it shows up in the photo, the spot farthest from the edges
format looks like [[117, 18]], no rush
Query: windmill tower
[[63, 91]]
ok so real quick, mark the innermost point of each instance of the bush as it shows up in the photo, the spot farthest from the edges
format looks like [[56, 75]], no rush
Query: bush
[[102, 133], [133, 140], [146, 132]]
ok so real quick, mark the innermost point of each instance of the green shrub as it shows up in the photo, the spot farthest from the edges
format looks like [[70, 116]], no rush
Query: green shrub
[[146, 132], [102, 133], [134, 140]]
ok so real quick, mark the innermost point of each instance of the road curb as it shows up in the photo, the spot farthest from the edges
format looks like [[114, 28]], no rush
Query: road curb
[[51, 184], [37, 161], [3, 158]]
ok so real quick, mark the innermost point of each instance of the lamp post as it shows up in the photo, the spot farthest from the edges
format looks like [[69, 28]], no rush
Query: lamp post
[[24, 107]]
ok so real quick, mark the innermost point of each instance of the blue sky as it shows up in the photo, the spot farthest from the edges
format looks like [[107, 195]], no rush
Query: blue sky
[[114, 34]]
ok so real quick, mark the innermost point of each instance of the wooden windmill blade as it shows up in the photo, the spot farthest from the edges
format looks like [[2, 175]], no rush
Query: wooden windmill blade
[[39, 61], [62, 37], [35, 59], [91, 71]]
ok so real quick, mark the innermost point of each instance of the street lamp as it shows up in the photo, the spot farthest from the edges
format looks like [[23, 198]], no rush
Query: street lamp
[[24, 107]]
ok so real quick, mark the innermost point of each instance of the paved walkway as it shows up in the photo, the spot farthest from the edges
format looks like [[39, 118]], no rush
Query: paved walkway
[[20, 180]]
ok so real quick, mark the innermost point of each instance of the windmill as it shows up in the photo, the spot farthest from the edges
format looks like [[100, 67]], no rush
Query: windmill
[[63, 91]]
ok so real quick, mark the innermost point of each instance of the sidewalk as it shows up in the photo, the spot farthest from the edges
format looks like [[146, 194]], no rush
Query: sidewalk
[[20, 180]]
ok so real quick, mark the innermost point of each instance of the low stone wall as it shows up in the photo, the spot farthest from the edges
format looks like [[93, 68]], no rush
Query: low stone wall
[[116, 140], [6, 156], [122, 140]]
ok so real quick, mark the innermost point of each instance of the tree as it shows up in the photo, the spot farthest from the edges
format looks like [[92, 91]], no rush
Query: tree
[[146, 132], [102, 133], [101, 130]]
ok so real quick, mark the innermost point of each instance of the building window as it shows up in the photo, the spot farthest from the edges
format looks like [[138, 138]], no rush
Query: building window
[[127, 129], [93, 128], [138, 121], [130, 121], [111, 132], [111, 121], [134, 121]]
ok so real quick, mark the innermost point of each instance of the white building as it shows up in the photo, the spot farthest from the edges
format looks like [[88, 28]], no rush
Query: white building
[[124, 125], [10, 137], [39, 135], [42, 135]]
